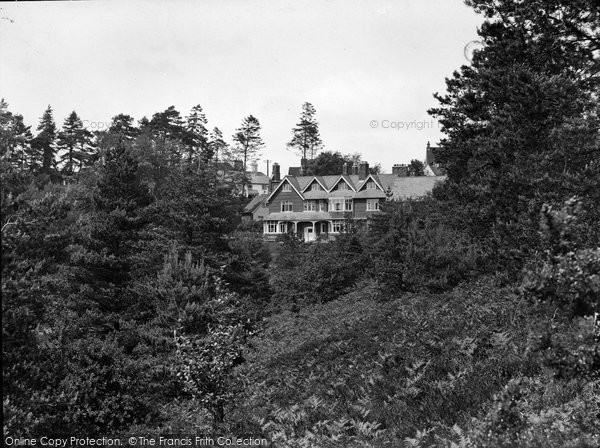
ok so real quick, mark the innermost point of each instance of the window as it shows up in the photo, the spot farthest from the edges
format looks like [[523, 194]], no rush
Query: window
[[322, 206], [336, 205], [310, 206], [337, 226], [316, 187], [348, 205], [283, 227], [286, 187], [342, 186], [271, 227], [371, 185], [287, 206], [372, 205], [324, 227]]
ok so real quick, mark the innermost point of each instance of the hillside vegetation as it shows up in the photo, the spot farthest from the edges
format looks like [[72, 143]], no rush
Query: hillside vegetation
[[134, 300]]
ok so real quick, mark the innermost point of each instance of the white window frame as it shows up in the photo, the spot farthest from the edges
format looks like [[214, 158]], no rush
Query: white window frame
[[271, 226], [323, 206], [286, 187], [333, 202], [372, 205], [282, 227], [337, 226], [348, 201], [285, 205], [316, 187], [310, 205], [345, 186], [371, 185], [324, 227]]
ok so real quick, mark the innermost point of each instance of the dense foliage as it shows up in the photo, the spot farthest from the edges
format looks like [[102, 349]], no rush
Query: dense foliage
[[134, 300]]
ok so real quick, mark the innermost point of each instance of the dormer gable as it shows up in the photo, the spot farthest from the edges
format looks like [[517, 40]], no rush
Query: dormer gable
[[286, 184], [314, 185], [342, 181], [370, 183]]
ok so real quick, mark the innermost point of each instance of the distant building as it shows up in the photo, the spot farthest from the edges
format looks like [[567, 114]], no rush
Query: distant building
[[256, 209], [320, 206], [259, 182], [432, 168]]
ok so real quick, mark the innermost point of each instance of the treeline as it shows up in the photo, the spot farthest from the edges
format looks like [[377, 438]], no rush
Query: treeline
[[118, 255]]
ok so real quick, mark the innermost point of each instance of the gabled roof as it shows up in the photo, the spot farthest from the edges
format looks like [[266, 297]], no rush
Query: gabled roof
[[370, 177], [254, 203], [292, 181], [259, 178], [314, 179], [403, 187], [347, 179]]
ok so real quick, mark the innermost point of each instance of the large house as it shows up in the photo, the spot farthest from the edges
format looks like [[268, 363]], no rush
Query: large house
[[320, 206]]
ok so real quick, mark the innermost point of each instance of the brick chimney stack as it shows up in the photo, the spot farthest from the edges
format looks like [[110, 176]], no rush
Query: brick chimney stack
[[363, 170], [275, 178], [345, 168], [400, 170], [355, 168]]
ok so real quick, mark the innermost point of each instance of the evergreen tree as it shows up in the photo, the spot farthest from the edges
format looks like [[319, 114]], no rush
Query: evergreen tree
[[305, 136], [74, 140], [196, 134], [248, 141], [522, 120], [218, 147], [15, 138], [43, 145]]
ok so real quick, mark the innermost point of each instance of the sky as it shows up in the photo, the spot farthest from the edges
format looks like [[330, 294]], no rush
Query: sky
[[370, 68]]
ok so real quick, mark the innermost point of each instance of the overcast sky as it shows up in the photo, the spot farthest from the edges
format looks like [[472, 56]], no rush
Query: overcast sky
[[360, 63]]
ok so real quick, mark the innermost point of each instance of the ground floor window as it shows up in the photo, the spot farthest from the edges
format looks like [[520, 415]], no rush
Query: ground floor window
[[271, 227], [337, 226], [372, 205], [283, 227], [324, 227]]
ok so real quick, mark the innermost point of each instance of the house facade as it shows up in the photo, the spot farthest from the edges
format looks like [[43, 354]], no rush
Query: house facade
[[315, 207]]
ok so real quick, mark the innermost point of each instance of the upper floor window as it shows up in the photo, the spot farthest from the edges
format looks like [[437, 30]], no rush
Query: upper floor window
[[310, 206], [342, 186], [372, 205], [287, 206], [322, 206], [336, 205], [286, 187], [340, 205], [316, 187], [371, 185]]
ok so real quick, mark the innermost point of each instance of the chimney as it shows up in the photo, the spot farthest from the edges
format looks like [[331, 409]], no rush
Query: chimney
[[355, 168], [276, 178], [254, 166], [345, 168], [276, 173], [400, 170], [363, 170]]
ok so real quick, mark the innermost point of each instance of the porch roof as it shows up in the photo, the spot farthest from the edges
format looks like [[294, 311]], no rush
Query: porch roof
[[298, 216]]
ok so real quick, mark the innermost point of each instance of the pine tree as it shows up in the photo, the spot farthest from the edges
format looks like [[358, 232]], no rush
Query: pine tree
[[74, 141], [15, 137], [43, 151], [305, 136], [248, 141], [196, 134], [218, 147]]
